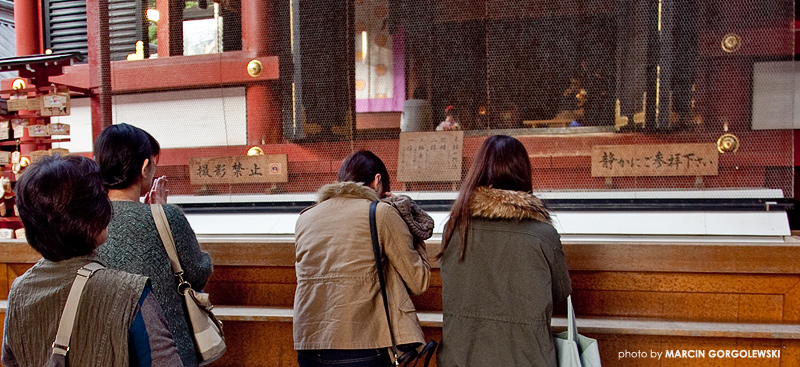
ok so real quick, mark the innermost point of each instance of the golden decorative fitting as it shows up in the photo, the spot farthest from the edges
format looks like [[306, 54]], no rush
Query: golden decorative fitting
[[255, 151], [254, 68], [731, 42], [728, 143], [18, 84]]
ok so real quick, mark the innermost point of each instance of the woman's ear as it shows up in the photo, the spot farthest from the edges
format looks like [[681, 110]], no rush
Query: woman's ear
[[145, 167], [376, 183]]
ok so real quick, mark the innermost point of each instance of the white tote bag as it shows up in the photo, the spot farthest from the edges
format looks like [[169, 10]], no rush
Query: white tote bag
[[573, 349]]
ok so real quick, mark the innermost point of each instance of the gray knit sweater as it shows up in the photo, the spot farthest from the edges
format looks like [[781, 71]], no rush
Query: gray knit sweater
[[134, 246]]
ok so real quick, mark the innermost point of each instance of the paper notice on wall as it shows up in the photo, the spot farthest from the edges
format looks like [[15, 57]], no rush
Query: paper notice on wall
[[430, 156]]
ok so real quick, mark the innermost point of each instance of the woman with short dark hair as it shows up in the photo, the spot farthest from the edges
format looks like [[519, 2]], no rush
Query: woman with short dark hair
[[65, 210], [339, 318], [503, 267], [127, 156], [121, 151]]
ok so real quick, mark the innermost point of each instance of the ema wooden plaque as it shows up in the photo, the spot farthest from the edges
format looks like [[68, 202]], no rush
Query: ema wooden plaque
[[55, 105], [655, 160], [239, 169], [20, 104], [37, 155], [430, 156], [5, 130]]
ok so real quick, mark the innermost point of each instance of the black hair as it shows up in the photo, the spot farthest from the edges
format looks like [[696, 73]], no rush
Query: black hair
[[120, 150], [362, 166], [63, 205]]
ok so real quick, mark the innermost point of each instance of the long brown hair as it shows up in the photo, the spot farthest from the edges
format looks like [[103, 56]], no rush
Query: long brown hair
[[502, 163]]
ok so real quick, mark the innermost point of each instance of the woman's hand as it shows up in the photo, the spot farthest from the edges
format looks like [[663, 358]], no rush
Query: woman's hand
[[158, 192]]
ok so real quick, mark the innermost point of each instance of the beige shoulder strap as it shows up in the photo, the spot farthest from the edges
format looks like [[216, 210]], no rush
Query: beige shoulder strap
[[166, 237], [65, 325]]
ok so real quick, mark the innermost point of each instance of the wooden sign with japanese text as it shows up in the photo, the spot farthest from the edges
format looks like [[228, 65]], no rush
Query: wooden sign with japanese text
[[5, 130], [430, 156], [60, 151], [19, 104], [38, 131], [238, 169], [58, 129], [37, 155], [655, 160], [55, 105]]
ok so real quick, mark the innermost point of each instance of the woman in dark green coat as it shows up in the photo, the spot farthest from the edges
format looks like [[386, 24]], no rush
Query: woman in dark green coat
[[503, 267]]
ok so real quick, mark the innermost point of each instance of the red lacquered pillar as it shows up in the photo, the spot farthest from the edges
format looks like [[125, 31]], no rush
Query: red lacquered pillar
[[259, 26], [99, 64], [27, 27]]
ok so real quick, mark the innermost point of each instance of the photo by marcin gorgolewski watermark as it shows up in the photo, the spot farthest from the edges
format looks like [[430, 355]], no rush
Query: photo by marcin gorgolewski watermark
[[713, 353]]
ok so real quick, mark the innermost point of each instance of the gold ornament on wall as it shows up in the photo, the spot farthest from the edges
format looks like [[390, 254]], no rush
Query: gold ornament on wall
[[255, 151], [254, 68], [19, 84], [728, 143], [731, 42]]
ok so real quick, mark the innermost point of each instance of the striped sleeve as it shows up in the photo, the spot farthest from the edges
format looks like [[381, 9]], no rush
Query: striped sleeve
[[149, 340]]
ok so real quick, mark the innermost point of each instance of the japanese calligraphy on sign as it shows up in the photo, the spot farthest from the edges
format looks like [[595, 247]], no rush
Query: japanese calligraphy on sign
[[430, 156], [5, 131], [238, 169], [55, 105], [18, 104], [37, 155], [655, 160]]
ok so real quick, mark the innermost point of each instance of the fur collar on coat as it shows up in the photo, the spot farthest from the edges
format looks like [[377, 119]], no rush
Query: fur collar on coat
[[346, 188], [492, 203]]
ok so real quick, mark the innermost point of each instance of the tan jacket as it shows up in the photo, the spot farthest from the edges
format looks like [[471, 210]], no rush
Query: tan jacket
[[338, 304]]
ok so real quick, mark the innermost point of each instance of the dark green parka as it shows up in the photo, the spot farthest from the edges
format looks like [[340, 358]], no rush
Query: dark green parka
[[498, 300]]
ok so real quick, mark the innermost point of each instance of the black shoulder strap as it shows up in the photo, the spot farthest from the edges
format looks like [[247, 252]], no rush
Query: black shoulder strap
[[376, 250]]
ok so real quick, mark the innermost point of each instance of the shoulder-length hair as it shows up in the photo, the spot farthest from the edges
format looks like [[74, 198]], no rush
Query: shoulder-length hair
[[502, 162], [120, 150], [362, 166]]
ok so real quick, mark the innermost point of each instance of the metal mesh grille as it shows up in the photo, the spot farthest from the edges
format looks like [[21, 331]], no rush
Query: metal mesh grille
[[561, 76]]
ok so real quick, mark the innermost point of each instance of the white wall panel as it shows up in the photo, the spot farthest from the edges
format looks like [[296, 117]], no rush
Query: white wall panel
[[633, 225], [776, 95], [177, 119], [80, 126], [187, 118]]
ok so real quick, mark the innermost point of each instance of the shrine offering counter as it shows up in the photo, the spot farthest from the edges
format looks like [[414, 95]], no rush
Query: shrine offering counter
[[638, 299]]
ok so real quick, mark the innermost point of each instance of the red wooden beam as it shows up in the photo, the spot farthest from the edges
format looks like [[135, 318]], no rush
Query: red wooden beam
[[178, 72]]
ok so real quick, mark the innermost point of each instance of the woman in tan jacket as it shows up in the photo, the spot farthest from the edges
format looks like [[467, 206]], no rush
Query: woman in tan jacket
[[339, 317]]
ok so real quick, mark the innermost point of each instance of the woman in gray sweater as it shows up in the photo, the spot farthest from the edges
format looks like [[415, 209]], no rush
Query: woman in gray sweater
[[127, 157], [64, 207]]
